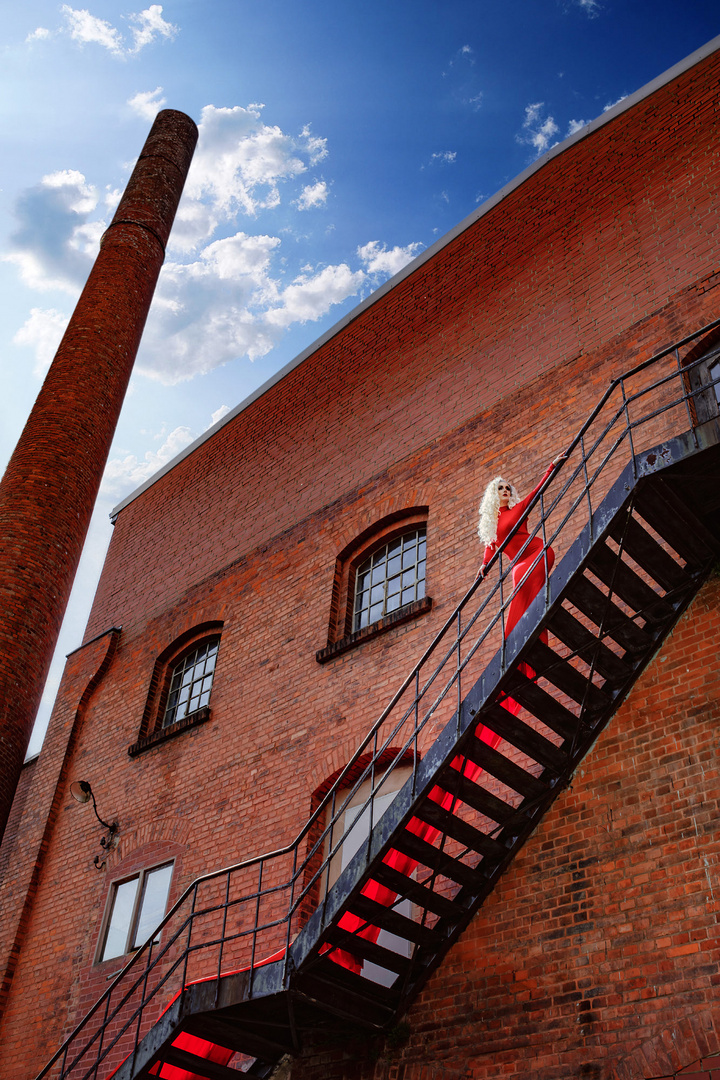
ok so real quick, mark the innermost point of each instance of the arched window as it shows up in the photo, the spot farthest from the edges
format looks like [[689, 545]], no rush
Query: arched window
[[180, 687], [380, 581], [390, 578], [191, 682]]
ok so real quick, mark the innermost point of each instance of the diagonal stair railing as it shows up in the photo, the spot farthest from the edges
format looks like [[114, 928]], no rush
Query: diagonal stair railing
[[475, 777]]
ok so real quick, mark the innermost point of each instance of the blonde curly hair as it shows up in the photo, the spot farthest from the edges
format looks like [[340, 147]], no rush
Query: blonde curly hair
[[490, 509]]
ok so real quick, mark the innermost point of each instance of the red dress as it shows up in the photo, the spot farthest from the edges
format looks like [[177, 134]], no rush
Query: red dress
[[523, 595]]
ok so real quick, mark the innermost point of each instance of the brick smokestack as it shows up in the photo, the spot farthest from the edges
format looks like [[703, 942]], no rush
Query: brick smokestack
[[50, 486]]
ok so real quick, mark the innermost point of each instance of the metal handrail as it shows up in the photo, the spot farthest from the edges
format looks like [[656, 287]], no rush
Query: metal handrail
[[305, 878]]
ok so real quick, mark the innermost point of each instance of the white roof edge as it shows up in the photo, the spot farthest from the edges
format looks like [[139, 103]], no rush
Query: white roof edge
[[626, 103]]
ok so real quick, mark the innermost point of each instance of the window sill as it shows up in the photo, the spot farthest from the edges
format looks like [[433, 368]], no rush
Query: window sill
[[403, 614], [163, 734]]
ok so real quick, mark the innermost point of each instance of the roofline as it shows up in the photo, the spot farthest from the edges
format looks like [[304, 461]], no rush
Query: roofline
[[623, 106]]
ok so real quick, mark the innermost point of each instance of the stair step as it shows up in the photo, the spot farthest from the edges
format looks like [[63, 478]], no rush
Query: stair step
[[444, 864], [452, 781], [566, 678], [604, 613], [495, 763], [361, 948], [626, 584], [645, 550], [322, 981], [669, 516], [577, 637], [448, 823], [415, 892], [379, 915], [514, 731], [542, 705], [244, 1037], [183, 1059]]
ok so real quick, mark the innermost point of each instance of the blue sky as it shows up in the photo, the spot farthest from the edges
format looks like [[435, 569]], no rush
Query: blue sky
[[337, 141]]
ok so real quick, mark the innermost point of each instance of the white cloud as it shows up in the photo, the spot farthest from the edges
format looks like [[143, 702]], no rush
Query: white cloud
[[378, 260], [148, 25], [612, 104], [313, 195], [308, 298], [39, 34], [124, 474], [222, 295], [90, 30], [56, 239], [238, 167], [147, 103], [592, 8], [443, 157], [537, 130], [218, 415], [576, 125], [42, 332]]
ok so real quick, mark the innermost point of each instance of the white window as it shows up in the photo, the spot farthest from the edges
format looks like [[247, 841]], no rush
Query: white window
[[392, 577], [357, 821], [191, 681], [137, 906]]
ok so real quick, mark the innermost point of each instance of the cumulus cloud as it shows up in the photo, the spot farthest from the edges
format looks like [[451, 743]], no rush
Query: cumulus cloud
[[576, 125], [91, 30], [379, 260], [56, 238], [125, 474], [147, 103], [443, 157], [39, 34], [42, 331], [537, 130], [150, 24], [313, 195], [225, 292], [218, 415], [238, 168], [592, 8], [612, 104]]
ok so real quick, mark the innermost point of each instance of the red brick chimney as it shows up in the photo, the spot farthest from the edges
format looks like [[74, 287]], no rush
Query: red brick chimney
[[50, 485]]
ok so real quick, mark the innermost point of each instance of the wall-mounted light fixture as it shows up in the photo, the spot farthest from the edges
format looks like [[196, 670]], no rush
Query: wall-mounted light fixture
[[83, 793]]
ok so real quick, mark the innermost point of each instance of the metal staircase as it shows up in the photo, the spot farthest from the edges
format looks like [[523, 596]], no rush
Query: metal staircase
[[479, 740]]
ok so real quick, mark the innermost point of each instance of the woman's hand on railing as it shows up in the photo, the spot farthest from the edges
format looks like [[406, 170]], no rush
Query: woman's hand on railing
[[561, 457]]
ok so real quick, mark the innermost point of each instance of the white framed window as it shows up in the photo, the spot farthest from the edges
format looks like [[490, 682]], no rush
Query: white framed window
[[135, 907], [393, 576], [191, 681]]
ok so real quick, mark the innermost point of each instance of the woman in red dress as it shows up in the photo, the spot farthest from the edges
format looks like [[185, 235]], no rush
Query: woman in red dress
[[500, 511]]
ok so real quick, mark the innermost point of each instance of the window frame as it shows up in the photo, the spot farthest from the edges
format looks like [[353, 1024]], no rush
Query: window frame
[[152, 730], [420, 537], [172, 669], [141, 875], [706, 398], [341, 636]]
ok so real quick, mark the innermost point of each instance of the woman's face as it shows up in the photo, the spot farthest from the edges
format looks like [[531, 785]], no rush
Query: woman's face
[[504, 491]]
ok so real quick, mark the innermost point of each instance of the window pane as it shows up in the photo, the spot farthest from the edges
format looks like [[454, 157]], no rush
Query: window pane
[[400, 565], [152, 906], [192, 677], [120, 918]]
